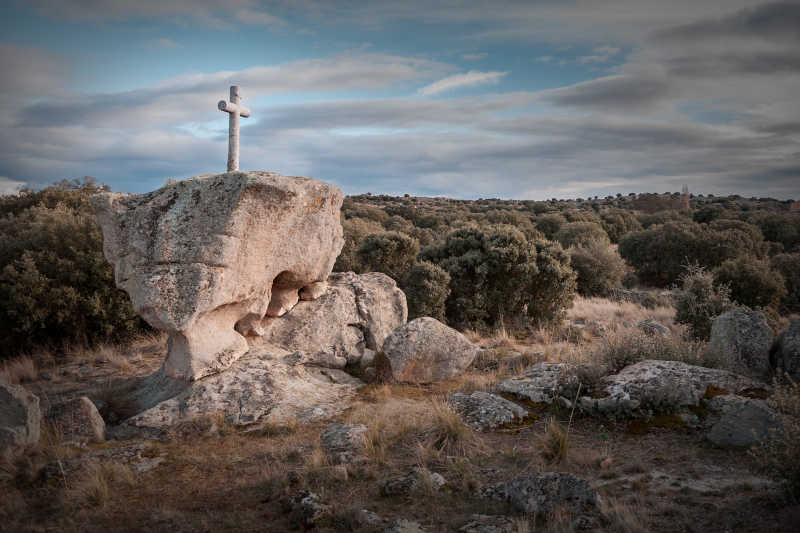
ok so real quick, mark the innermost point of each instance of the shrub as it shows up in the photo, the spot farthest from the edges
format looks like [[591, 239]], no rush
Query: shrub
[[627, 347], [779, 227], [390, 252], [751, 282], [660, 253], [580, 233], [599, 267], [55, 284], [497, 274], [427, 287], [355, 229], [779, 453], [788, 265], [550, 224], [698, 301], [618, 223]]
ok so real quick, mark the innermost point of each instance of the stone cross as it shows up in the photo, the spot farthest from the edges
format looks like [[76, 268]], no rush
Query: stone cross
[[234, 110]]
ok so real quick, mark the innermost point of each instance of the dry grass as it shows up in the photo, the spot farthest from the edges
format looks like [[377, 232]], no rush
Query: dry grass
[[19, 370], [613, 314], [97, 485], [554, 442]]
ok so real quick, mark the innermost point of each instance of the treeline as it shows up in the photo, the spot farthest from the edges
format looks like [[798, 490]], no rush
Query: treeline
[[474, 264]]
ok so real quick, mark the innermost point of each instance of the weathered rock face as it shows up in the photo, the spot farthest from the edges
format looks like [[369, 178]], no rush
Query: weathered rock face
[[542, 493], [787, 356], [356, 313], [484, 411], [655, 385], [263, 386], [744, 337], [744, 421], [343, 443], [77, 421], [426, 350], [207, 258], [20, 417], [541, 383], [417, 479]]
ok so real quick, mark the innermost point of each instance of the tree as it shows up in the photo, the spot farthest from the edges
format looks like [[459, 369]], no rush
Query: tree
[[699, 301], [598, 266], [752, 282], [580, 233], [390, 252], [427, 287]]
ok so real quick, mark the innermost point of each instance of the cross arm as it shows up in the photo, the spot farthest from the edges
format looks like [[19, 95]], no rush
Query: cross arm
[[229, 107]]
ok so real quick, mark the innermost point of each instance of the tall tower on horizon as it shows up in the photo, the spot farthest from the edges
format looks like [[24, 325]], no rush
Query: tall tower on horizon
[[685, 205]]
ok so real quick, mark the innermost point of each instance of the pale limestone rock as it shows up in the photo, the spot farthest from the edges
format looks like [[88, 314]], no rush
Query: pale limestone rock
[[355, 314], [77, 421], [282, 301], [484, 411], [313, 290], [426, 350], [541, 383], [201, 258], [343, 443], [20, 417], [653, 385]]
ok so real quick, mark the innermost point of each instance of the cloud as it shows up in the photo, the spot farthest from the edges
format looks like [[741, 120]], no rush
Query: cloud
[[622, 92], [164, 43], [600, 54], [8, 186], [544, 59], [474, 57], [456, 81]]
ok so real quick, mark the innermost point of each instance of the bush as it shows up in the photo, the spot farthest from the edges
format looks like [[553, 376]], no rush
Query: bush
[[581, 233], [550, 224], [788, 265], [618, 223], [427, 287], [779, 227], [599, 267], [55, 284], [627, 347], [779, 452], [752, 283], [390, 252], [497, 274], [660, 253], [355, 229], [698, 301]]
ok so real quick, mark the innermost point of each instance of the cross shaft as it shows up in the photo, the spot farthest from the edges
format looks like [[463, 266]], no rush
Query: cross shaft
[[235, 109]]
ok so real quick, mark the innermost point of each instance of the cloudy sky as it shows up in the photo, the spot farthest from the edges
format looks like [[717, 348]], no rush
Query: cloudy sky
[[521, 99]]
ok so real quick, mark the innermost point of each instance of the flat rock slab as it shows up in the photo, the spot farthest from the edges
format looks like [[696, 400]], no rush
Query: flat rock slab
[[541, 383], [743, 423], [653, 385], [542, 493], [259, 387], [484, 411], [425, 350], [203, 258]]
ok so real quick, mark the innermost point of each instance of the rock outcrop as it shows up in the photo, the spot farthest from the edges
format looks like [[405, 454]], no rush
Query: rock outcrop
[[207, 258], [77, 421], [542, 493], [484, 411], [425, 350], [744, 421], [20, 417], [663, 385], [541, 383], [744, 339], [343, 443], [787, 353]]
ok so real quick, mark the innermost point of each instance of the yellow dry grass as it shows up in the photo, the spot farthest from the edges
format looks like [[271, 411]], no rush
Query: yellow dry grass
[[19, 370]]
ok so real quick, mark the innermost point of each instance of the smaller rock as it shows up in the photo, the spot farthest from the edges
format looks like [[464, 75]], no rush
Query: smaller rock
[[322, 358], [77, 421], [481, 523], [413, 481], [313, 290], [307, 508], [787, 354], [542, 493], [541, 383], [404, 526], [283, 300], [743, 423], [20, 417], [651, 327], [483, 411], [744, 338], [425, 350], [343, 443]]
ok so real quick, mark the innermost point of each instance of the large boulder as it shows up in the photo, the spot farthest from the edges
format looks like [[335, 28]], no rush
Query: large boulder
[[744, 421], [787, 353], [356, 313], [425, 350], [205, 259], [542, 493], [744, 339], [77, 421], [20, 417], [343, 443], [268, 384], [654, 385]]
